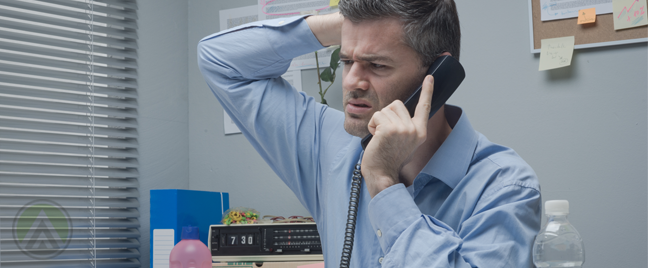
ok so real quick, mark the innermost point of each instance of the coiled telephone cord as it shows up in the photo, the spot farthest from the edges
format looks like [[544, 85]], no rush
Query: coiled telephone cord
[[349, 233]]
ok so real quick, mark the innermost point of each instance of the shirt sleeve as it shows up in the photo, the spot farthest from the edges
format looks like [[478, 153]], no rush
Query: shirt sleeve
[[243, 67], [494, 234]]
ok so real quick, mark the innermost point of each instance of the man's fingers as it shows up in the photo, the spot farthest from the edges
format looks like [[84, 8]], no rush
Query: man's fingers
[[377, 119], [397, 112], [424, 105], [401, 111]]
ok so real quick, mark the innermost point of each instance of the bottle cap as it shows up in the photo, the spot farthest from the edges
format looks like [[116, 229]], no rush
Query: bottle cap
[[190, 232], [557, 207]]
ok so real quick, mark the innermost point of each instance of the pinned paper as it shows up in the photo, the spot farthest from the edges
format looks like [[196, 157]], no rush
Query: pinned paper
[[556, 52], [564, 9], [334, 3], [587, 15], [629, 13]]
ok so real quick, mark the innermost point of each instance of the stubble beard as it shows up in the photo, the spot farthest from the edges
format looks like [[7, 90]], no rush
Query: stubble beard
[[354, 124]]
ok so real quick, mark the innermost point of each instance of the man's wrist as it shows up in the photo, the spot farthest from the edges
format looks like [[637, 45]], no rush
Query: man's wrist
[[326, 28], [376, 184]]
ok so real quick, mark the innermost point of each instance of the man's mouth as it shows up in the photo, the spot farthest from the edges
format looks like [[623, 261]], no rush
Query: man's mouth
[[357, 106]]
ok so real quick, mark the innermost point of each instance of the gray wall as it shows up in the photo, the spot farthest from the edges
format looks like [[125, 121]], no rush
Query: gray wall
[[582, 128], [163, 126]]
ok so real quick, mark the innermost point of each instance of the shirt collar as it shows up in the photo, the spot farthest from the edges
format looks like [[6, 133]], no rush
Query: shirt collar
[[451, 161]]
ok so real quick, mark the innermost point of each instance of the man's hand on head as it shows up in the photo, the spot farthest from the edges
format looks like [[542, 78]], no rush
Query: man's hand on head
[[396, 136], [327, 28]]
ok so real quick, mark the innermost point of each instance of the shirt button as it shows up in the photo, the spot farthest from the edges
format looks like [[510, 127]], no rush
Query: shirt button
[[380, 260], [281, 22], [379, 233]]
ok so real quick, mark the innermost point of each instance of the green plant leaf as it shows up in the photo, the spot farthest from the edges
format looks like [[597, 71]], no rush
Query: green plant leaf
[[335, 59], [326, 75]]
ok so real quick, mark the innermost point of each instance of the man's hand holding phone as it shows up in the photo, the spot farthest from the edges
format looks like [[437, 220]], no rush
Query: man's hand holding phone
[[396, 136]]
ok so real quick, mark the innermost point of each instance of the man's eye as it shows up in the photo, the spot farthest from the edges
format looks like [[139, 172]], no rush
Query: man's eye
[[346, 61], [377, 66]]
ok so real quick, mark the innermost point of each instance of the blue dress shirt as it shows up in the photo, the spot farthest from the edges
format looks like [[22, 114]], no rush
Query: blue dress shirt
[[475, 203]]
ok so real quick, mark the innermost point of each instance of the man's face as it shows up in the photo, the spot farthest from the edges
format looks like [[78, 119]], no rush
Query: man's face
[[378, 69]]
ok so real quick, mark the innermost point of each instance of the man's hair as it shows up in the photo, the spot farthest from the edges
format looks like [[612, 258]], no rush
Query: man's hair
[[430, 27]]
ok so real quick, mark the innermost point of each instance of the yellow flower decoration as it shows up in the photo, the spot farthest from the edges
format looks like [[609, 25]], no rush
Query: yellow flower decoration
[[240, 215]]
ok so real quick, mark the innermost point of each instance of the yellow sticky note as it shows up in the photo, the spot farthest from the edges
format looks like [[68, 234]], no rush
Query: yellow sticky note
[[334, 3], [556, 52], [587, 15], [629, 13]]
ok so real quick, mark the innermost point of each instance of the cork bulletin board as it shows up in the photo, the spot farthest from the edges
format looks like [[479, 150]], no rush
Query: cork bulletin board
[[600, 33]]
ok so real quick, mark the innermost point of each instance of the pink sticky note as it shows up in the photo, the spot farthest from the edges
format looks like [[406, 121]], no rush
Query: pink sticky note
[[316, 265]]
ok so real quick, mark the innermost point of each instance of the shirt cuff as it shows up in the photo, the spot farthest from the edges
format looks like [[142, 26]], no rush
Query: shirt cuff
[[389, 218]]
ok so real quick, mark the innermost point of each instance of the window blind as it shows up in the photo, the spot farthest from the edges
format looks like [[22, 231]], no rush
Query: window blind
[[68, 134]]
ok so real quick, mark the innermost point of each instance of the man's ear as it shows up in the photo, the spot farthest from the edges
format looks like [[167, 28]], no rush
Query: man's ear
[[446, 53]]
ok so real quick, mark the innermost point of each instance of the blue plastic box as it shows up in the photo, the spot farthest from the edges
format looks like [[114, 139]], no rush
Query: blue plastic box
[[175, 208]]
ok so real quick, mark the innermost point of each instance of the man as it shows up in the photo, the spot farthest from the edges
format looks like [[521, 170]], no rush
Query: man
[[436, 193]]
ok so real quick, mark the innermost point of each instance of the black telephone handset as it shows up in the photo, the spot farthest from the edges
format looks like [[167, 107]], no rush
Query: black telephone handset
[[448, 75]]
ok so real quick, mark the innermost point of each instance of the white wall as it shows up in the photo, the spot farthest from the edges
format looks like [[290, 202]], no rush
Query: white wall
[[582, 128]]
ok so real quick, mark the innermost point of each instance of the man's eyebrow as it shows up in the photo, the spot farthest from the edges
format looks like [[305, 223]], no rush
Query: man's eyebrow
[[369, 57]]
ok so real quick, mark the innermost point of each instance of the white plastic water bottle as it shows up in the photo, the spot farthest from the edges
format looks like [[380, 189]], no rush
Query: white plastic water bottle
[[558, 244]]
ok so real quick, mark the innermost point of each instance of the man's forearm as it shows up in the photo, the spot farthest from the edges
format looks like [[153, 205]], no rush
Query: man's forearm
[[242, 67], [245, 52], [327, 28]]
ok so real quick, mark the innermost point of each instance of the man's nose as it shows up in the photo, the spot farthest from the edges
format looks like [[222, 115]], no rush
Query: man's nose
[[356, 78]]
